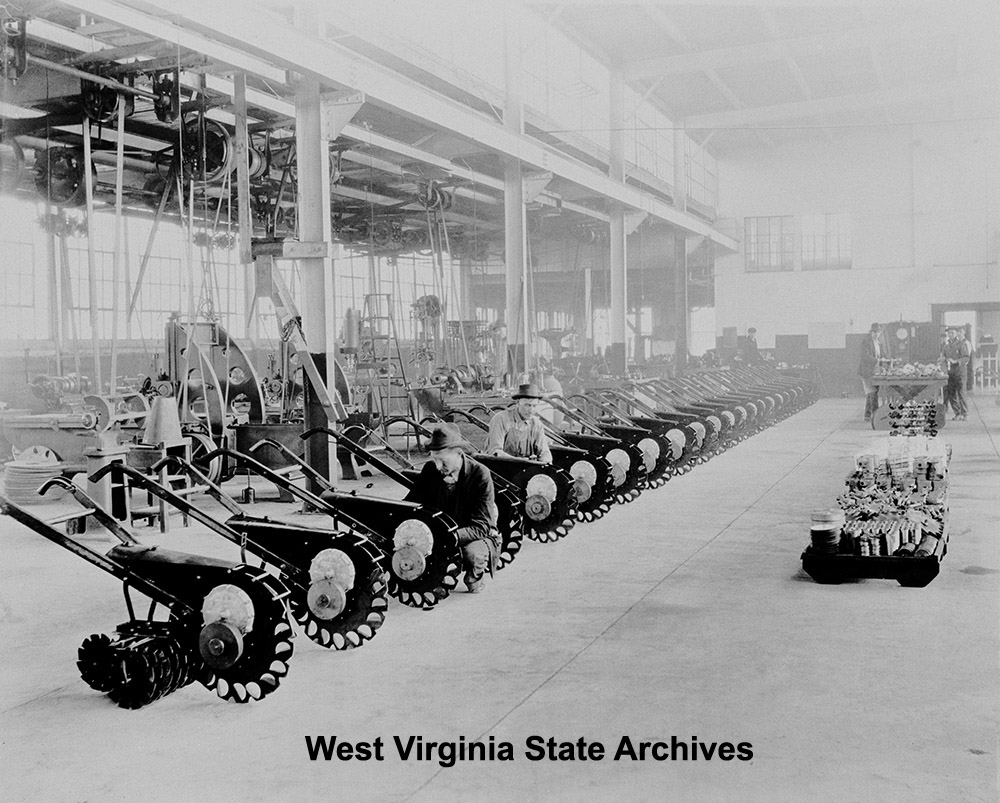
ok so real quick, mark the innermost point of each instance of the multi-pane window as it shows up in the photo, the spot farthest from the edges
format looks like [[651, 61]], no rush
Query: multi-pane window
[[769, 243], [702, 178], [19, 320], [826, 242]]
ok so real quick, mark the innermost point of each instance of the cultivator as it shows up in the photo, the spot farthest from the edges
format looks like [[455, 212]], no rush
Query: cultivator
[[418, 544], [227, 624], [335, 579], [591, 473], [546, 493]]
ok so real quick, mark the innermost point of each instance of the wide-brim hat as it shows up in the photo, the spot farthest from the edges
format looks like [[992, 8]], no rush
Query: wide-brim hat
[[447, 436], [529, 391], [875, 328]]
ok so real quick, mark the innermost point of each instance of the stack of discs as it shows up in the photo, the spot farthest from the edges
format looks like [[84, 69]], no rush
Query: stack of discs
[[28, 472], [825, 530]]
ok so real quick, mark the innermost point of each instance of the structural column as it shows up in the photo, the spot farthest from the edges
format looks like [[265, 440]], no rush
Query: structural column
[[516, 313], [681, 299], [616, 170], [681, 313], [313, 166]]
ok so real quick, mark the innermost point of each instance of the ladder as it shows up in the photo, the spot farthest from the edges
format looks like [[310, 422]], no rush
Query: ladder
[[381, 360]]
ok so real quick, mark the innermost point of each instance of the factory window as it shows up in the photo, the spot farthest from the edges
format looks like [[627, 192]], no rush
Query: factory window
[[769, 243], [826, 242], [702, 174], [22, 279]]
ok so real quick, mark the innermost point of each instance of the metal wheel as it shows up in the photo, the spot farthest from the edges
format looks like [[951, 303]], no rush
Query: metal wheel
[[435, 583], [364, 603], [246, 638], [511, 526]]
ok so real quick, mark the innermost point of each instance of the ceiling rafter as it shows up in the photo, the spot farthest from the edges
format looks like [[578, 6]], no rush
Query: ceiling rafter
[[663, 21], [843, 103], [206, 27], [796, 47], [772, 26]]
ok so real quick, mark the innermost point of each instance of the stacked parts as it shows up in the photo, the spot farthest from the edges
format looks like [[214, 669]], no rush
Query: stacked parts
[[894, 516]]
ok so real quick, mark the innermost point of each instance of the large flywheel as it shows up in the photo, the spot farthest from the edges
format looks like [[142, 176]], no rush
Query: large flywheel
[[343, 603]]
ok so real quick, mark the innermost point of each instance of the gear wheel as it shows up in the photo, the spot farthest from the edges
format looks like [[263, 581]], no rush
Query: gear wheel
[[263, 657], [366, 601]]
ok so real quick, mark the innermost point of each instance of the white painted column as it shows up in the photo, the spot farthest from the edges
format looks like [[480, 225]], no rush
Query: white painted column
[[516, 312], [617, 263]]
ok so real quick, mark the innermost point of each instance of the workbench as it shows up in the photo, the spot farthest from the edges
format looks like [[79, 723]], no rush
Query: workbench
[[899, 389]]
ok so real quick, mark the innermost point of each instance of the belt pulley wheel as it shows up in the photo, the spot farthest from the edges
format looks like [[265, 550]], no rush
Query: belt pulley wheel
[[408, 563], [220, 644], [267, 646], [537, 507], [434, 584], [365, 603], [326, 599], [581, 491]]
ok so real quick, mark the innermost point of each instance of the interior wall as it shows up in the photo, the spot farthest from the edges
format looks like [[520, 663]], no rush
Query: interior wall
[[925, 229]]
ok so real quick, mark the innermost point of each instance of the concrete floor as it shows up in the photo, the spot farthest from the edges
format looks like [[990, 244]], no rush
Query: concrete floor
[[684, 614]]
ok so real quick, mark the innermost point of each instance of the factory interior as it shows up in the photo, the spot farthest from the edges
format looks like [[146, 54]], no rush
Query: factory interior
[[541, 400]]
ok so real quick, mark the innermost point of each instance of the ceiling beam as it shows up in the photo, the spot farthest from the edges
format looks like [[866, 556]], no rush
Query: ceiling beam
[[660, 18], [843, 103], [158, 27], [742, 55], [793, 67], [272, 41]]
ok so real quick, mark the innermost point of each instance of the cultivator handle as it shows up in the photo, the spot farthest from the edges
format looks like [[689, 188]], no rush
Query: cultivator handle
[[360, 453]]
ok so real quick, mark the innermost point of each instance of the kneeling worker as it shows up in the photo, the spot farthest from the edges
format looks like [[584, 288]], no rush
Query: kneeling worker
[[518, 430], [461, 488]]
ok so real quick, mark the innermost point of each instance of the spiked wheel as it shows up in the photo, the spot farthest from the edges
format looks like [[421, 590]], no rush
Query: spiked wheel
[[434, 584], [96, 661], [247, 662], [511, 534], [549, 510], [141, 663], [594, 513], [364, 609]]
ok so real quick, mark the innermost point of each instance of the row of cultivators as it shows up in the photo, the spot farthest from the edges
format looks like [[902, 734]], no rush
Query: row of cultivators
[[229, 624]]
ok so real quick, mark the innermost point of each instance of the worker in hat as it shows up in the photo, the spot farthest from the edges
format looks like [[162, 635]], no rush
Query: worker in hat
[[455, 484], [873, 349], [518, 430], [956, 357]]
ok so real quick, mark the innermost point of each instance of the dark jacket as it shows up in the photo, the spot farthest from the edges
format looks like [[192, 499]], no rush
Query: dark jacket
[[866, 367], [470, 505]]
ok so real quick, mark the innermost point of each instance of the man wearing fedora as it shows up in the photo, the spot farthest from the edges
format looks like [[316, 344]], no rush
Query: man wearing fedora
[[462, 489], [518, 430]]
